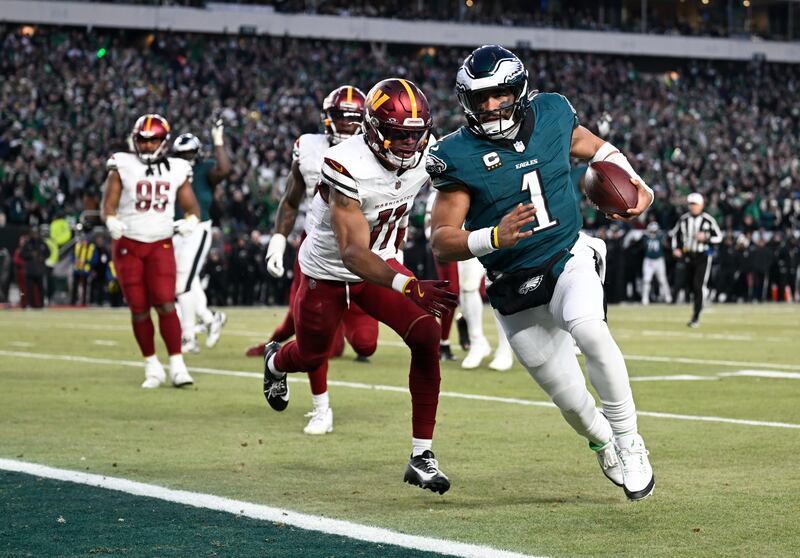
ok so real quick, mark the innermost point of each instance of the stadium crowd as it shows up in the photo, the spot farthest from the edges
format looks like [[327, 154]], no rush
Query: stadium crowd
[[773, 20], [728, 130]]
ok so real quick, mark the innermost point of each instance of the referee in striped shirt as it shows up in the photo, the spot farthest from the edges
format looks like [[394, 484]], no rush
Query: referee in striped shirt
[[692, 238]]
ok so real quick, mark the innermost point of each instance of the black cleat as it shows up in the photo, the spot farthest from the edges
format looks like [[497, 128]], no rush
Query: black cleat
[[463, 333], [362, 358], [423, 471], [276, 390], [445, 353]]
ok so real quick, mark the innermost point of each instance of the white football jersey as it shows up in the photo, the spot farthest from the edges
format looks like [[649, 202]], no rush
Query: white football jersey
[[308, 151], [385, 198], [147, 203]]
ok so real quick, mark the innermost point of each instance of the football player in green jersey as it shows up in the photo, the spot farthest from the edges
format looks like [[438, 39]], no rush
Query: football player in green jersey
[[191, 251], [505, 196]]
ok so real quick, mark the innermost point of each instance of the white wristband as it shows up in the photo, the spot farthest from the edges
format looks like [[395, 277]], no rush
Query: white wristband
[[608, 152], [400, 281], [480, 242]]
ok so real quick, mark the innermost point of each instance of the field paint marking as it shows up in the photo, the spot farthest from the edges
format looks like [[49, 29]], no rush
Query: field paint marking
[[683, 360], [22, 344], [397, 389], [674, 378], [105, 342], [261, 512], [762, 374]]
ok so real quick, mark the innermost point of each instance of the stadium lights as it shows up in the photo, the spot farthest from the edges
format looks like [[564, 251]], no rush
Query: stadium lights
[[469, 3], [705, 2], [746, 3], [27, 30]]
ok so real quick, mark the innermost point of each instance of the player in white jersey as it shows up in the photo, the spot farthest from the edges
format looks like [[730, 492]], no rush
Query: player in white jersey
[[367, 190], [191, 251], [139, 211], [469, 275], [342, 116]]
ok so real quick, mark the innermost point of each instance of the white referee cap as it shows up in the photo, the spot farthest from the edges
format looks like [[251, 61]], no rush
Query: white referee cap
[[694, 198]]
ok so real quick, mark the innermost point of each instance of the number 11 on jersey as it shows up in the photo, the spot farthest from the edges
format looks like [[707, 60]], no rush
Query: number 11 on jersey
[[532, 182]]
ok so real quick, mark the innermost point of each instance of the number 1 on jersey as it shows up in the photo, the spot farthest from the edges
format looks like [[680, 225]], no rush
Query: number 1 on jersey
[[532, 182]]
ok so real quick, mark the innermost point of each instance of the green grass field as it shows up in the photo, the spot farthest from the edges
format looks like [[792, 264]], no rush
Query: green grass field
[[521, 479]]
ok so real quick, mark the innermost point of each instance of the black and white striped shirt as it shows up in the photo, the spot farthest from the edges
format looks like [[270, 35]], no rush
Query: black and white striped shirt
[[684, 234]]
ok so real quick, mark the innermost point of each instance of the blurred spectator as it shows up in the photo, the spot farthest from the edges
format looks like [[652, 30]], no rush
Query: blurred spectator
[[34, 254]]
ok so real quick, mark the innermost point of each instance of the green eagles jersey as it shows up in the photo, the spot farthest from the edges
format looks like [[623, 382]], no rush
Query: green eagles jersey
[[203, 190], [533, 167], [654, 245]]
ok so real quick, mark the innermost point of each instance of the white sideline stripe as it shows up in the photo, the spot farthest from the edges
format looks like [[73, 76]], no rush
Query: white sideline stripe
[[261, 512], [397, 389], [763, 374]]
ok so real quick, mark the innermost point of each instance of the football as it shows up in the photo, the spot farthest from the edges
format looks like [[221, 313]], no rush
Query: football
[[609, 187]]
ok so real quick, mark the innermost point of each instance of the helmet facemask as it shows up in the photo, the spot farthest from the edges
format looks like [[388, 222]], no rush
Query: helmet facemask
[[403, 146], [343, 123], [497, 123]]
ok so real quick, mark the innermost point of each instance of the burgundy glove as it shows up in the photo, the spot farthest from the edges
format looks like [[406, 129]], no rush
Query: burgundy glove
[[431, 296]]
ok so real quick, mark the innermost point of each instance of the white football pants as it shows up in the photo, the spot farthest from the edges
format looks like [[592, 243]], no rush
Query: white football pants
[[540, 338], [657, 267], [190, 257]]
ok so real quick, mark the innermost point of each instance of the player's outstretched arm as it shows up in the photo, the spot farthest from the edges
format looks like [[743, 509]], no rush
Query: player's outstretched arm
[[223, 168], [451, 243], [585, 145], [352, 233]]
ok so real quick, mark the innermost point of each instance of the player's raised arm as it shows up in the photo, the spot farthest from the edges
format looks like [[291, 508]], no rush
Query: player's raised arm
[[223, 167], [585, 145], [451, 242]]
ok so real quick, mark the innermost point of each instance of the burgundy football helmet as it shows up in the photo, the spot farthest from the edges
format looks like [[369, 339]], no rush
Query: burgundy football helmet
[[343, 112], [398, 122], [147, 128]]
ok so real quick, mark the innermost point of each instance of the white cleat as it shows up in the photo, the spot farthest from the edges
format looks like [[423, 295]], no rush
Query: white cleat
[[189, 345], [215, 328], [321, 422], [154, 375], [178, 374], [477, 352], [502, 362], [637, 473], [609, 462]]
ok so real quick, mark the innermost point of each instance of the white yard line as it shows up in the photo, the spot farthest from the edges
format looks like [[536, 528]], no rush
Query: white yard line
[[762, 374], [673, 378], [261, 512], [379, 387], [738, 363]]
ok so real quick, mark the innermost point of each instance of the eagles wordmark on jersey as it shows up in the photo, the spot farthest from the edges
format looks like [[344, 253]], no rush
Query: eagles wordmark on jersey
[[533, 168]]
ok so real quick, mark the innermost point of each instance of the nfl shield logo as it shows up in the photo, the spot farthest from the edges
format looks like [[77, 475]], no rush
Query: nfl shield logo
[[397, 185], [519, 146], [312, 284]]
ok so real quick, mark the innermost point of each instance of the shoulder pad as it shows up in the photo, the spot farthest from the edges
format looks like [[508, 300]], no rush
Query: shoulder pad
[[336, 176]]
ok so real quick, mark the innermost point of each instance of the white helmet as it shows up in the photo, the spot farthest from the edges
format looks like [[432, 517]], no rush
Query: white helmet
[[187, 146]]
